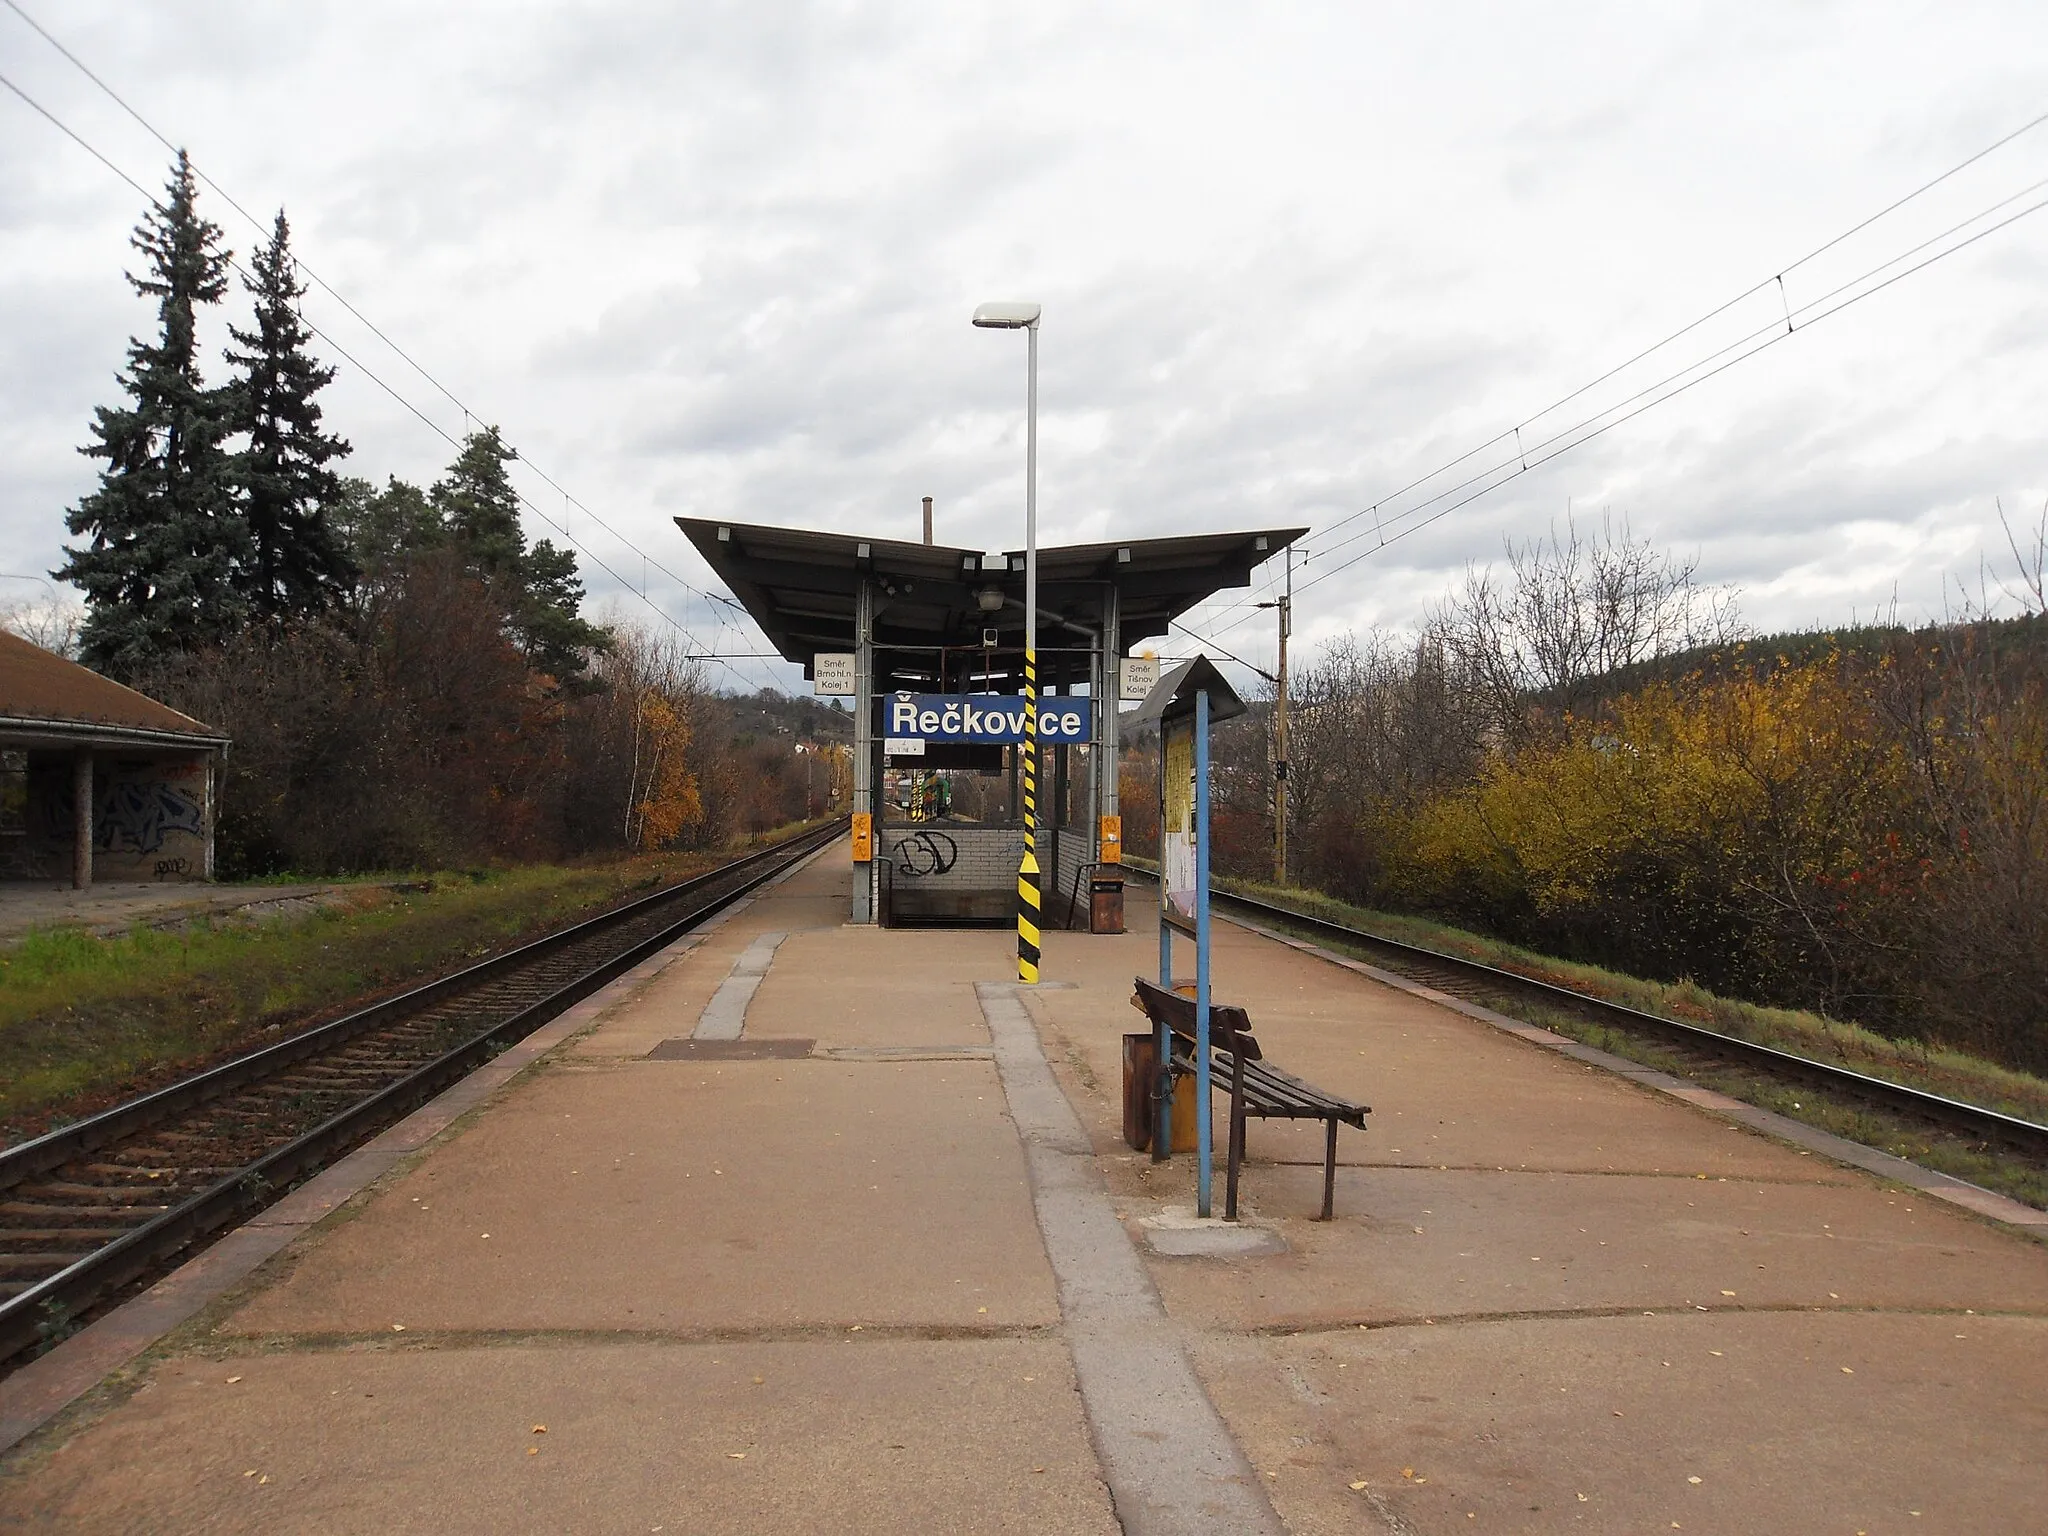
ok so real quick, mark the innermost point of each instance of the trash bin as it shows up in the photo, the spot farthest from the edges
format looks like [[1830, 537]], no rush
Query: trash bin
[[1141, 1073], [1106, 903]]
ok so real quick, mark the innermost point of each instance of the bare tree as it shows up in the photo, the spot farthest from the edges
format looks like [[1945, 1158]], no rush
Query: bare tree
[[1572, 608], [51, 622], [2030, 562]]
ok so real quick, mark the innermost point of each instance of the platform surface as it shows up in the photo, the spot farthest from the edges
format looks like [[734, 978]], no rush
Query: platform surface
[[858, 1289]]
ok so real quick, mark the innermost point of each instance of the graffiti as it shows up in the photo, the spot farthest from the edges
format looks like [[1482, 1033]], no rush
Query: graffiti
[[926, 852], [166, 868], [22, 860], [139, 816]]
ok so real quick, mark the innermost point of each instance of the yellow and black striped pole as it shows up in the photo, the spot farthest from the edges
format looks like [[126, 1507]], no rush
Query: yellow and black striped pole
[[1028, 890], [1021, 315]]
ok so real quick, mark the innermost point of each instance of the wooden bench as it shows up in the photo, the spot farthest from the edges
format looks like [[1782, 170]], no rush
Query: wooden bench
[[1255, 1085]]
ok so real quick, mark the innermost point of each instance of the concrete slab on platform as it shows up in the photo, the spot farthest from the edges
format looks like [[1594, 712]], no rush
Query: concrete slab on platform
[[875, 1436], [691, 1197]]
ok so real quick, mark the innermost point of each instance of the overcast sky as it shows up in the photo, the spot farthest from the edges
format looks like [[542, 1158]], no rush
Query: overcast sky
[[719, 259]]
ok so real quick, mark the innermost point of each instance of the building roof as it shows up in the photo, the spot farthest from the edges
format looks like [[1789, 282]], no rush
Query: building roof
[[46, 701], [800, 585]]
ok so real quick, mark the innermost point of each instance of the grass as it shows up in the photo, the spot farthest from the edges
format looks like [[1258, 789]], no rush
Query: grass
[[88, 1021], [1930, 1068]]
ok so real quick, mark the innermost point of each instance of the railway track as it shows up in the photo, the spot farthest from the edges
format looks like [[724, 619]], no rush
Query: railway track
[[1491, 987], [90, 1208]]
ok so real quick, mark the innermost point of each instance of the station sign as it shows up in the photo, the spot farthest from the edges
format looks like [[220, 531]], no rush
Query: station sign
[[983, 717], [832, 674]]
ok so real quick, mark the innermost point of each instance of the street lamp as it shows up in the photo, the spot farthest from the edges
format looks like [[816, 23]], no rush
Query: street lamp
[[1016, 315]]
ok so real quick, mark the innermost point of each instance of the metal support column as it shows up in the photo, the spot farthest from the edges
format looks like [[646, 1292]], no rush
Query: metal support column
[[1105, 712], [864, 785], [1204, 1131]]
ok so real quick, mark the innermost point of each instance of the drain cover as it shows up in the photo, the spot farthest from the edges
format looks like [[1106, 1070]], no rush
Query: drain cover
[[731, 1050]]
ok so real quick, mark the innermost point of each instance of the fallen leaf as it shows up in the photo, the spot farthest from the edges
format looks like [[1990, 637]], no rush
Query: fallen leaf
[[1358, 1485], [1407, 1471], [262, 1480], [398, 1327], [1727, 1293], [533, 1450], [737, 1455], [1693, 1480], [1847, 1372], [540, 1429], [233, 1379]]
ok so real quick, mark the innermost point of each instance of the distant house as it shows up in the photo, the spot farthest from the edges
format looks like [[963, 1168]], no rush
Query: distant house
[[98, 781]]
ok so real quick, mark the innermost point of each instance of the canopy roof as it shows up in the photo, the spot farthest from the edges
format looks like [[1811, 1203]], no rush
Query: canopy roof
[[48, 701], [800, 585]]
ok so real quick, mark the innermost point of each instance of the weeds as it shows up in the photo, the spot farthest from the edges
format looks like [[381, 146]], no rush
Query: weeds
[[86, 1021]]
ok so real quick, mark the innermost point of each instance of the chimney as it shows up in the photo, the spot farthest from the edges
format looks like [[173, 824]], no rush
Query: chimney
[[927, 519]]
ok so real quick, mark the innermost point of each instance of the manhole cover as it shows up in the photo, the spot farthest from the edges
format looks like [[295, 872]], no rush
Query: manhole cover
[[731, 1050]]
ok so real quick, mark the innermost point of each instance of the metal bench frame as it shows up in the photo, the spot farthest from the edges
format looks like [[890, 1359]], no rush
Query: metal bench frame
[[1255, 1085]]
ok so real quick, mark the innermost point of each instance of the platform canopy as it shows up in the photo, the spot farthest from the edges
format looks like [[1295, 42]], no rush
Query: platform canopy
[[800, 586]]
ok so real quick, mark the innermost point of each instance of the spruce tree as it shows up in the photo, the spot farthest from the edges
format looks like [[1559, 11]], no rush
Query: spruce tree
[[297, 563], [159, 574], [480, 508], [539, 587]]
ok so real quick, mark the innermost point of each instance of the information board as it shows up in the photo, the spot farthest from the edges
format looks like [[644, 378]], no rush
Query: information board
[[1177, 830]]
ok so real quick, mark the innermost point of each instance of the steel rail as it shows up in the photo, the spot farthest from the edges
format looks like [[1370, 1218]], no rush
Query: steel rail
[[26, 1318], [1952, 1114]]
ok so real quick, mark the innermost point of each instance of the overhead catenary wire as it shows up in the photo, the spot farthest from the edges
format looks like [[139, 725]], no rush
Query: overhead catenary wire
[[700, 651], [1796, 321], [1764, 338], [1778, 277], [332, 292]]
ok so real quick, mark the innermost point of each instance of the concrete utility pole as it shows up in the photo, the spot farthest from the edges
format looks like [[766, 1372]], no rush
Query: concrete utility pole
[[1286, 606], [927, 519]]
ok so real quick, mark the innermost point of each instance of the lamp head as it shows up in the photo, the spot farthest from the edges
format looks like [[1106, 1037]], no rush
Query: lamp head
[[1008, 315]]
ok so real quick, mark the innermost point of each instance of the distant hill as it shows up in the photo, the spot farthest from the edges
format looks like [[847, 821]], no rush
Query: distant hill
[[772, 713], [2023, 639]]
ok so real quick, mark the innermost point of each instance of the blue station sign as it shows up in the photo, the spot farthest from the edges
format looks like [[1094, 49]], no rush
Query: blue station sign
[[984, 717]]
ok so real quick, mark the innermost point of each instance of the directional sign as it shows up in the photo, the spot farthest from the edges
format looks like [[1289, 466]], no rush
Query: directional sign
[[1137, 676], [832, 674]]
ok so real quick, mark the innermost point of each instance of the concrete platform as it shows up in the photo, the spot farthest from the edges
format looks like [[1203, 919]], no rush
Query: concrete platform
[[111, 907], [902, 1281]]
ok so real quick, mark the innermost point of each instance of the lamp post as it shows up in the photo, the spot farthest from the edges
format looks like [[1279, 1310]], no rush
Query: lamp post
[[1020, 316]]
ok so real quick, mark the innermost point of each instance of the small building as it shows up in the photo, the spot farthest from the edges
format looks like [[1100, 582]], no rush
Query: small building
[[97, 781]]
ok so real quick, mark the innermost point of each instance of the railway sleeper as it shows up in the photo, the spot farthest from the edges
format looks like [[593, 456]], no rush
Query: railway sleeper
[[50, 1239], [37, 1266], [112, 1196], [22, 1212]]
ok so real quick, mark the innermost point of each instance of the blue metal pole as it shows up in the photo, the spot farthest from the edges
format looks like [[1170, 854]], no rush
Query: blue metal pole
[[1204, 1139], [1162, 1040]]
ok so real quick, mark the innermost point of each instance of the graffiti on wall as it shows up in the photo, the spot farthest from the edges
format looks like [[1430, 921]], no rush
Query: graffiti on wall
[[139, 814], [926, 852]]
